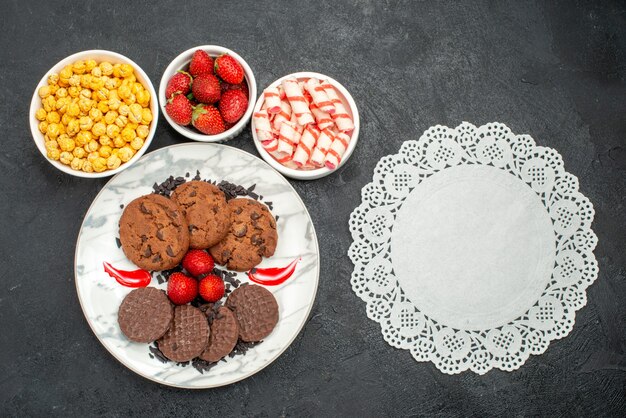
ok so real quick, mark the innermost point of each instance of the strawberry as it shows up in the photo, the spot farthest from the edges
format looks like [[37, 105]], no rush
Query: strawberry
[[243, 87], [181, 289], [201, 63], [179, 83], [206, 88], [211, 288], [208, 120], [198, 262], [233, 105], [228, 69], [179, 109]]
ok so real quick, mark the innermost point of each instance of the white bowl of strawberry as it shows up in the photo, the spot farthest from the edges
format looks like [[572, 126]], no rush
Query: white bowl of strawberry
[[207, 93]]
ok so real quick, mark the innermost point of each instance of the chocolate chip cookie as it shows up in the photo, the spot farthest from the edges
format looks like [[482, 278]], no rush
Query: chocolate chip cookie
[[251, 237], [154, 233], [206, 211]]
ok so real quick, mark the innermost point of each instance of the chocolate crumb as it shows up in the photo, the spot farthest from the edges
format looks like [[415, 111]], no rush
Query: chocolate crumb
[[118, 242], [122, 206]]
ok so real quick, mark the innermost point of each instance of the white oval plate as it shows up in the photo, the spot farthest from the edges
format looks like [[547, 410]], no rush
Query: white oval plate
[[100, 295]]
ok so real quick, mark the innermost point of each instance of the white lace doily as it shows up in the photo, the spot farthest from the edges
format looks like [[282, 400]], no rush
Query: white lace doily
[[473, 248]]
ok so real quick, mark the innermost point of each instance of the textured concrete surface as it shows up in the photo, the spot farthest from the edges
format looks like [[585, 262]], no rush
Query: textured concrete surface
[[554, 70]]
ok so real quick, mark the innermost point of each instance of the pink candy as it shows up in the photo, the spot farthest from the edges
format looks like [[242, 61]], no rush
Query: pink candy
[[304, 124]]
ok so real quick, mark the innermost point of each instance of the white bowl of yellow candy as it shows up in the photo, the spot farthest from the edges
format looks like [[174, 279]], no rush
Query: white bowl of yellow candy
[[94, 114]]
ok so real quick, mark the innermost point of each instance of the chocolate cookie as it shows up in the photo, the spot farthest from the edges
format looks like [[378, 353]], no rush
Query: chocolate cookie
[[252, 235], [188, 335], [206, 211], [256, 311], [154, 233], [145, 314], [224, 335]]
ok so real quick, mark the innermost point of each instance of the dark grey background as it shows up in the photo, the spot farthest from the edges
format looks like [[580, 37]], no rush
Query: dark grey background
[[554, 70]]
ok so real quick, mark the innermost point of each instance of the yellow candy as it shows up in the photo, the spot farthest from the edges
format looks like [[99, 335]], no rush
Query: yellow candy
[[40, 114], [112, 83], [49, 103], [66, 72], [110, 117], [113, 162], [106, 68], [85, 80], [44, 91], [105, 151], [100, 165], [53, 117], [92, 146], [135, 115], [118, 142], [124, 110], [61, 92], [79, 152], [95, 114], [73, 91], [93, 156], [136, 88], [102, 94], [90, 65], [54, 154], [105, 140], [85, 123], [96, 72], [73, 127], [53, 79], [73, 109], [125, 154], [50, 145], [85, 93], [85, 104], [103, 107], [74, 80], [113, 130], [77, 163], [128, 134], [142, 131], [66, 158], [143, 98], [87, 167], [83, 137], [121, 121], [136, 143], [53, 131], [43, 127], [99, 129], [66, 119], [79, 67], [66, 143], [126, 70], [96, 83]]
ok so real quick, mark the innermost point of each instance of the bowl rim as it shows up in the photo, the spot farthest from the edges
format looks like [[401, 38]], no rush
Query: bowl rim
[[182, 60], [35, 104], [318, 172]]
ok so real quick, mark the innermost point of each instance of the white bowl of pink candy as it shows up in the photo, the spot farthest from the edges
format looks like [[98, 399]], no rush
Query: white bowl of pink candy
[[305, 125]]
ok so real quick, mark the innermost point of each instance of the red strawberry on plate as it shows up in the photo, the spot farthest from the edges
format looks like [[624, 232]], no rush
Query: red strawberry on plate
[[233, 105], [179, 109], [211, 288], [228, 69], [201, 63], [208, 120], [181, 289], [198, 262], [206, 88], [179, 83]]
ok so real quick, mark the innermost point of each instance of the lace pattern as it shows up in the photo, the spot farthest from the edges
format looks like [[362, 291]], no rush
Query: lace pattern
[[455, 350]]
